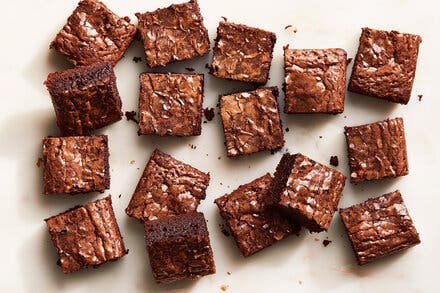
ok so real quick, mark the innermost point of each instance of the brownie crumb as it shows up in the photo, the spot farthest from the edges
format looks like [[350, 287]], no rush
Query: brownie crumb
[[229, 273], [119, 196], [190, 69], [287, 26], [300, 282], [132, 162], [224, 287], [420, 97], [219, 158], [326, 242], [209, 113], [287, 129], [320, 136], [349, 60], [334, 161], [138, 168], [131, 116], [294, 29], [137, 59], [345, 116], [193, 147], [204, 121], [207, 65], [39, 162]]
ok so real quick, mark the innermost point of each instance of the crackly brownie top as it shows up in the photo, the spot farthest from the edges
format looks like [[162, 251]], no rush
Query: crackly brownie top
[[315, 80], [251, 121], [93, 33], [242, 53], [385, 65], [75, 164], [170, 104], [173, 33], [377, 150], [87, 235], [167, 187], [379, 226]]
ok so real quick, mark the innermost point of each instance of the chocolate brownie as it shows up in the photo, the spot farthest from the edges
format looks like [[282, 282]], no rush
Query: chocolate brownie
[[251, 121], [173, 33], [379, 226], [168, 187], [385, 65], [253, 223], [242, 53], [179, 248], [314, 80], [85, 98], [171, 104], [93, 34], [308, 191], [75, 164], [86, 236], [377, 150]]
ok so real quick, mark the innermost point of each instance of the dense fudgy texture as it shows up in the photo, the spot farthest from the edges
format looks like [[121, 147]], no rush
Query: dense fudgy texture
[[168, 187], [75, 164], [314, 80], [85, 98], [377, 150], [171, 104], [379, 226], [179, 248], [308, 191], [173, 33], [251, 121], [254, 224], [86, 236], [242, 53], [385, 65], [93, 33]]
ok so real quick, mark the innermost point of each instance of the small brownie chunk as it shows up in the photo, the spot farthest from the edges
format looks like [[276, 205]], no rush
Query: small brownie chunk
[[171, 104], [242, 53], [75, 164], [173, 33], [93, 33], [251, 121], [253, 223], [85, 98], [377, 150], [168, 187], [308, 191], [385, 65], [379, 226], [86, 236], [314, 80], [179, 248]]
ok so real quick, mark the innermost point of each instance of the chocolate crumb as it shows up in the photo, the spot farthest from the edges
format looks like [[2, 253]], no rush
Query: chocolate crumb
[[207, 65], [119, 196], [132, 162], [224, 18], [224, 230], [192, 146], [334, 161], [287, 129], [224, 287], [287, 26], [204, 121], [131, 116], [209, 113], [295, 30], [326, 242], [138, 168], [229, 273], [345, 116], [137, 59], [219, 158], [39, 162], [320, 136], [349, 60], [300, 282], [420, 97], [190, 69]]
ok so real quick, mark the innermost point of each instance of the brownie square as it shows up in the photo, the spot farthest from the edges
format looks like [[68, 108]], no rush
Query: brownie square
[[314, 80], [251, 121], [86, 236], [254, 224], [179, 248], [168, 187], [93, 33], [308, 191], [379, 226], [385, 65], [377, 150], [171, 104], [242, 53], [173, 33], [75, 164], [85, 98]]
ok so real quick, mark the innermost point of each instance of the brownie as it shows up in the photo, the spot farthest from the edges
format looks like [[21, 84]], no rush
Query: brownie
[[242, 53], [93, 34], [179, 248], [314, 80], [308, 191], [254, 224], [75, 164], [168, 187], [377, 150], [385, 65], [85, 98], [170, 104], [86, 236], [379, 226], [173, 33], [251, 121]]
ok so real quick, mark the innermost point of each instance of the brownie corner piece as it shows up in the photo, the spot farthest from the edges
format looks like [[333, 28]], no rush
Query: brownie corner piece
[[242, 53], [385, 65], [379, 226], [179, 248], [93, 33], [86, 236], [251, 121], [377, 150]]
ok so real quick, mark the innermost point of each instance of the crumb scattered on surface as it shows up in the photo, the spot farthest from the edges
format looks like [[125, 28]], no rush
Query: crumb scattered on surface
[[39, 162], [204, 121], [221, 183], [287, 26], [132, 162], [190, 69], [209, 113], [219, 158], [326, 242], [293, 28], [119, 196], [224, 288], [138, 168], [420, 97], [287, 129], [137, 59], [193, 147], [345, 116], [316, 239], [207, 65], [224, 230], [300, 282], [334, 161], [131, 116], [320, 136], [349, 60], [229, 273]]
